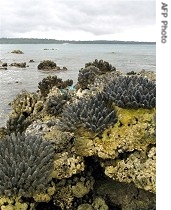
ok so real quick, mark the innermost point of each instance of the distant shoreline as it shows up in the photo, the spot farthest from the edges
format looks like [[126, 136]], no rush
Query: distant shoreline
[[54, 41]]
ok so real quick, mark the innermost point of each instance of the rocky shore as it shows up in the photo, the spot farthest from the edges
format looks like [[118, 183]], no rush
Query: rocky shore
[[89, 146]]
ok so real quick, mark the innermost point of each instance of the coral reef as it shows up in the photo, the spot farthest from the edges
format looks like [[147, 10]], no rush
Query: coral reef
[[26, 165], [50, 81], [95, 114], [90, 148], [132, 92]]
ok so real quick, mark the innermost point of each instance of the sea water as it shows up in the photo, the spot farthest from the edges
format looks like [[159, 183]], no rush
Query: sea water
[[125, 57]]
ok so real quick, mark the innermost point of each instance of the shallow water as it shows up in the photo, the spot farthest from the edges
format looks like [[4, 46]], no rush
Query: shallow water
[[124, 57]]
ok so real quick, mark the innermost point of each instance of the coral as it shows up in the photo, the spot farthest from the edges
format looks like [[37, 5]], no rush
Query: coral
[[62, 141], [46, 196], [85, 207], [87, 76], [47, 65], [132, 92], [103, 66], [136, 168], [99, 204], [65, 165], [125, 196], [15, 203], [135, 130], [25, 165], [74, 191], [23, 107], [92, 71], [95, 114], [54, 103], [82, 188], [18, 123], [50, 81], [64, 198]]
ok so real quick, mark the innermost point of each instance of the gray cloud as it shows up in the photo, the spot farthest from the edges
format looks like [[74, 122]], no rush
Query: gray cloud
[[90, 16]]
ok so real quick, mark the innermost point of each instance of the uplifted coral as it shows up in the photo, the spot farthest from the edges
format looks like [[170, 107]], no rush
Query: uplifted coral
[[55, 103], [132, 92], [92, 71], [103, 66], [87, 76], [95, 114], [47, 65], [24, 106], [25, 165], [50, 81]]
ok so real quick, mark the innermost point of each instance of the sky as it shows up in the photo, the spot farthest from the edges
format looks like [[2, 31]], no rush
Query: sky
[[127, 20]]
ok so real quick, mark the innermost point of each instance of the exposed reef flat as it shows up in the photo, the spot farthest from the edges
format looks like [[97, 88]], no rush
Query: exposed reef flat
[[86, 146]]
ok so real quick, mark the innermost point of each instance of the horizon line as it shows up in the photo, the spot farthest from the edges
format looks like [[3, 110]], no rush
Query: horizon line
[[76, 40]]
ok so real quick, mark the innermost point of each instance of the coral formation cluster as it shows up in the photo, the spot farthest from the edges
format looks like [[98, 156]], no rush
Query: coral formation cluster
[[92, 71], [56, 102], [50, 81], [24, 106], [47, 65], [95, 114], [25, 165], [132, 92], [103, 66]]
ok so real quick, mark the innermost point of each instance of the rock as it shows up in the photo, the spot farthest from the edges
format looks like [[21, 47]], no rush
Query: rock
[[3, 68], [64, 68], [31, 61], [19, 65], [47, 65], [4, 65], [17, 52]]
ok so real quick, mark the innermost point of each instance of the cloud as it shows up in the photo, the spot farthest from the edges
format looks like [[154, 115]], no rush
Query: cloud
[[63, 18]]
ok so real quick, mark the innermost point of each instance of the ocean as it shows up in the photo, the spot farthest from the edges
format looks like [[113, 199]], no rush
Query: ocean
[[125, 57]]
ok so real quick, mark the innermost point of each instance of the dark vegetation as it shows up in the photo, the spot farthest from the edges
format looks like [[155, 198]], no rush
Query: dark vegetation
[[54, 41]]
